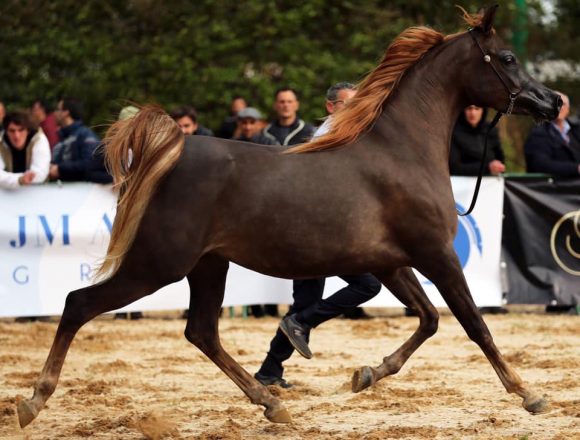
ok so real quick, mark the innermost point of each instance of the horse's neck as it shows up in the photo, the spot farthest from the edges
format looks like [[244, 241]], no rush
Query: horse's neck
[[424, 107]]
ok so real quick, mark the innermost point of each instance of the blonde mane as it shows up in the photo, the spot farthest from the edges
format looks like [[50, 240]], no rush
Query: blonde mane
[[365, 107]]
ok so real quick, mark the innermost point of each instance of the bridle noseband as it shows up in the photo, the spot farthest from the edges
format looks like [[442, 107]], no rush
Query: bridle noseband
[[497, 117]]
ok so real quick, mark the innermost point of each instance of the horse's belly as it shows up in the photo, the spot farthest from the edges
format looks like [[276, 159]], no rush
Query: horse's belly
[[303, 261]]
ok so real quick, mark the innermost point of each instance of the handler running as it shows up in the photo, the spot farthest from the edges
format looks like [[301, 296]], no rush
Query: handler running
[[309, 309]]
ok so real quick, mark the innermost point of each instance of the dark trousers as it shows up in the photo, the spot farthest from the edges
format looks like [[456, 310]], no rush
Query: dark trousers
[[311, 309]]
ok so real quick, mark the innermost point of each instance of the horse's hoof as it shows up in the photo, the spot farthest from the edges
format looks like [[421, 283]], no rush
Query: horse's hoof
[[278, 415], [536, 404], [26, 413], [361, 379]]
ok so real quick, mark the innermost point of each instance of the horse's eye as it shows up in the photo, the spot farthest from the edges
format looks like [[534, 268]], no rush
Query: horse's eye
[[509, 59]]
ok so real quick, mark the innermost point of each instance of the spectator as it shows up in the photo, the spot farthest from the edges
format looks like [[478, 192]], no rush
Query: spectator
[[229, 128], [554, 147], [2, 114], [307, 293], [44, 116], [467, 143], [24, 152], [288, 128], [186, 118], [72, 157], [336, 98], [250, 122]]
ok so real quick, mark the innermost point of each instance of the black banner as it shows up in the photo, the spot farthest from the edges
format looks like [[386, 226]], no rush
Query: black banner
[[541, 240]]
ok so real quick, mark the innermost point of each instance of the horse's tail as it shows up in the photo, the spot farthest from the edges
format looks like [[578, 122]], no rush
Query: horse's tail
[[139, 152]]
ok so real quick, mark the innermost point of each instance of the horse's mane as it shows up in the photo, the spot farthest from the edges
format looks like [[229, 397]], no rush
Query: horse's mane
[[365, 107]]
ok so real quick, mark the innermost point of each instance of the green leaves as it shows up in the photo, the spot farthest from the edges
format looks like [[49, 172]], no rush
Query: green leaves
[[204, 52]]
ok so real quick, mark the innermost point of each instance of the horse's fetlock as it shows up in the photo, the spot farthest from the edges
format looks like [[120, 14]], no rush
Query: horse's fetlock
[[391, 365], [45, 387]]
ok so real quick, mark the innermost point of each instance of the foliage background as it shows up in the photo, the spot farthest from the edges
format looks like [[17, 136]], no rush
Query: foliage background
[[204, 52]]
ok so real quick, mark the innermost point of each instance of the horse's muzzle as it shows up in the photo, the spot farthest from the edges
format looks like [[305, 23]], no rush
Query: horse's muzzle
[[540, 102]]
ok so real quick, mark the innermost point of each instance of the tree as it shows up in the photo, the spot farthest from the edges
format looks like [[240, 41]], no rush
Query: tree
[[204, 52]]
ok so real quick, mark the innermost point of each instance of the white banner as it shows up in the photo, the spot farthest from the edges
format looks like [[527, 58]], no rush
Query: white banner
[[51, 236]]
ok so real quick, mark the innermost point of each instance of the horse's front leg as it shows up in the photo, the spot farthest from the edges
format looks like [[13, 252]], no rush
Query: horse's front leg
[[445, 272], [404, 285]]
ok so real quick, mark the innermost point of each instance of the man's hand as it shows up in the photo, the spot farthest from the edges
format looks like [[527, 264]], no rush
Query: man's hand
[[496, 167], [26, 178], [53, 172]]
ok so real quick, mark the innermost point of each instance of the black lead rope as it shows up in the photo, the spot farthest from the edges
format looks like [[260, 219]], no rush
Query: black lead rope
[[512, 97], [496, 119]]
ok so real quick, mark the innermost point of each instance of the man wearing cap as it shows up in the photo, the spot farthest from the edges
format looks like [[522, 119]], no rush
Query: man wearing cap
[[250, 123]]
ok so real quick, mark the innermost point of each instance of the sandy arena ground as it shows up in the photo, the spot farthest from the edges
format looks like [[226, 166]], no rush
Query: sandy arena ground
[[142, 379]]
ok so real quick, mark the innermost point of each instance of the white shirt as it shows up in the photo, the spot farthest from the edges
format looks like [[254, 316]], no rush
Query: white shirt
[[323, 129]]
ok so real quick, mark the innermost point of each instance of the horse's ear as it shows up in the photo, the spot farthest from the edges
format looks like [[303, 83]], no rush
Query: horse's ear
[[487, 19]]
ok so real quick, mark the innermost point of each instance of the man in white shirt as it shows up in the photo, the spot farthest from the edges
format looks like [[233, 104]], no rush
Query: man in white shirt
[[336, 97], [307, 294]]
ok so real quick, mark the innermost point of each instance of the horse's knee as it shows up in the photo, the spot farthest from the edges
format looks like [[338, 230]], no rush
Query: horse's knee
[[430, 322]]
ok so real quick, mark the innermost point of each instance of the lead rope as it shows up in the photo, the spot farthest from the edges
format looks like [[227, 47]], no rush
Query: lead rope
[[512, 97], [496, 119]]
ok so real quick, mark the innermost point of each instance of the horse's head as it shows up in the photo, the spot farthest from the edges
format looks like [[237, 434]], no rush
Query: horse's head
[[494, 78]]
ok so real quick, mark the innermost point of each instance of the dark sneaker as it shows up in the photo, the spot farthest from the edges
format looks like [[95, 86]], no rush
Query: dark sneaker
[[297, 335], [272, 380]]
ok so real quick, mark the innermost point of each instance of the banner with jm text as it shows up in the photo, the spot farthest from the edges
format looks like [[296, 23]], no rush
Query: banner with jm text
[[51, 236]]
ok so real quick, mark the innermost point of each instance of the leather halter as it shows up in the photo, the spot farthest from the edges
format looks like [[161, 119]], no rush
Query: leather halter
[[498, 115]]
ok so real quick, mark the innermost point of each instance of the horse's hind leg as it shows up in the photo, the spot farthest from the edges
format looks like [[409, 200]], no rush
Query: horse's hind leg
[[81, 306], [404, 285], [445, 272], [207, 283]]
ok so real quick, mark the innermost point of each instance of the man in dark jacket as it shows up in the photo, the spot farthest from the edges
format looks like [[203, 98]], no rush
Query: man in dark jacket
[[288, 128], [554, 147], [73, 156], [186, 118]]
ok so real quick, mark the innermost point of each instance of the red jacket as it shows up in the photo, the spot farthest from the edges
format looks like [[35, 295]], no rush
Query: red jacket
[[50, 129]]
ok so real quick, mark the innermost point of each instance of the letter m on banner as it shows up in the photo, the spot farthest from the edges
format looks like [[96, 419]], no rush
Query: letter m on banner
[[45, 230]]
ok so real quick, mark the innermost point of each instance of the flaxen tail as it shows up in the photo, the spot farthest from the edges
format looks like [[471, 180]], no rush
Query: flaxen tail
[[139, 152]]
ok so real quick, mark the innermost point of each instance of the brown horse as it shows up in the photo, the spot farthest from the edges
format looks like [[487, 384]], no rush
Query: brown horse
[[373, 195]]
